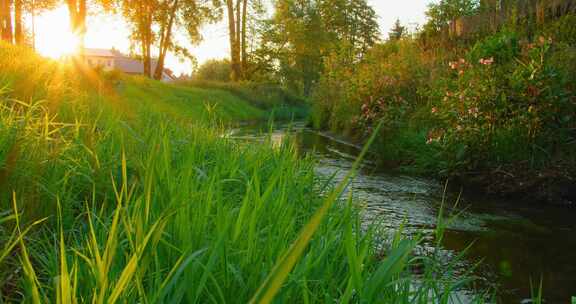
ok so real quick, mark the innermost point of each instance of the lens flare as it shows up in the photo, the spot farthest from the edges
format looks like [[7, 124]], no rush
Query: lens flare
[[63, 41]]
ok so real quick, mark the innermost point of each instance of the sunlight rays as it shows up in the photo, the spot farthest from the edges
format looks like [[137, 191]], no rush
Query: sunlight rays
[[63, 41]]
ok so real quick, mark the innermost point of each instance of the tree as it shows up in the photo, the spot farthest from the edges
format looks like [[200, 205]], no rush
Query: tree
[[77, 12], [170, 8], [33, 7], [18, 27], [184, 15], [397, 32], [155, 21], [6, 20], [442, 15], [214, 70], [233, 31], [302, 34], [239, 13], [77, 9]]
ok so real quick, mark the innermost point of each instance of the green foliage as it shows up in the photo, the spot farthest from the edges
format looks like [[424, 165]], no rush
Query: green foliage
[[502, 101], [562, 30], [507, 112], [503, 47], [296, 41], [443, 13], [383, 87], [214, 70], [397, 32]]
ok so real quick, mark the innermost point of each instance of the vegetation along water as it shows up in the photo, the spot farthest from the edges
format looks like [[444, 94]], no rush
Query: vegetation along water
[[330, 159]]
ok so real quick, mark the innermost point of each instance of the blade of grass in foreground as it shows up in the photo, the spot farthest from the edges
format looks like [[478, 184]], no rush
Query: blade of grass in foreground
[[30, 274], [265, 294]]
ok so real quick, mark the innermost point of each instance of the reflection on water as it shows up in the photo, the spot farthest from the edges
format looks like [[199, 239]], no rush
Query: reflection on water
[[518, 242]]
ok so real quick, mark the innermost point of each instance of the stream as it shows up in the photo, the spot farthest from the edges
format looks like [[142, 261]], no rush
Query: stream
[[517, 242]]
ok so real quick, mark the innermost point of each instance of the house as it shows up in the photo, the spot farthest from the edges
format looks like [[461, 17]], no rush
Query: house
[[110, 60]]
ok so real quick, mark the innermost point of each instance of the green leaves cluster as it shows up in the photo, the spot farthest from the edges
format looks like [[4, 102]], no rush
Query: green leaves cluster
[[302, 34]]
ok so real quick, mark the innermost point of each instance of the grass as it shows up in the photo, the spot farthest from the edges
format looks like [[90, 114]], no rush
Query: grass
[[123, 190], [264, 95]]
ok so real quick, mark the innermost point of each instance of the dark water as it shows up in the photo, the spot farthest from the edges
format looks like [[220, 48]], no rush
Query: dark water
[[518, 242]]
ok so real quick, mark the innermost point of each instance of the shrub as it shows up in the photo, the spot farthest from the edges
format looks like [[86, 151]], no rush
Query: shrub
[[502, 47], [562, 30], [513, 111], [382, 87], [214, 70]]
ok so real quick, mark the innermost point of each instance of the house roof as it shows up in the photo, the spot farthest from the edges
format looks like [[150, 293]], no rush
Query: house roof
[[125, 63], [101, 52], [131, 65]]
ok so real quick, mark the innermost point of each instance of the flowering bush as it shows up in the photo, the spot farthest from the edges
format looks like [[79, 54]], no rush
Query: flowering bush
[[382, 87], [489, 110]]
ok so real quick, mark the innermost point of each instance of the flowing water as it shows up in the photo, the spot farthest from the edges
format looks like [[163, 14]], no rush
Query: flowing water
[[518, 242]]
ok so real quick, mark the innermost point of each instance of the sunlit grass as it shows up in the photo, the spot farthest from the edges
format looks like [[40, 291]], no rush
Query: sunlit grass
[[114, 196]]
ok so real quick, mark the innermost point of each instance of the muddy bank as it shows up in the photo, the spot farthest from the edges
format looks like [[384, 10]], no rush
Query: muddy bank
[[554, 185]]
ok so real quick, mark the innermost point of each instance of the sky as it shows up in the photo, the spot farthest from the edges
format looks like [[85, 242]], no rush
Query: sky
[[110, 31]]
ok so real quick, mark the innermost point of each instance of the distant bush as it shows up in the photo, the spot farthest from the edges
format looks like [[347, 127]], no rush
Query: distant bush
[[502, 47], [214, 70], [382, 87], [562, 30]]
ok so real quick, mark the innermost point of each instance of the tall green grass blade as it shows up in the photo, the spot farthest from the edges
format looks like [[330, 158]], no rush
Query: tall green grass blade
[[274, 281]]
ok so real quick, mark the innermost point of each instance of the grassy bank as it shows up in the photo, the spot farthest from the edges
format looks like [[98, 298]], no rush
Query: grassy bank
[[118, 189], [271, 97]]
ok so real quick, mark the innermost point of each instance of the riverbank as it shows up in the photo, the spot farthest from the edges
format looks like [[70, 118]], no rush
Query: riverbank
[[554, 184], [495, 112]]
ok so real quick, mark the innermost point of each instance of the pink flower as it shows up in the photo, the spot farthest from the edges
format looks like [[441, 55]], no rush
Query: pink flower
[[434, 110], [488, 61], [473, 111]]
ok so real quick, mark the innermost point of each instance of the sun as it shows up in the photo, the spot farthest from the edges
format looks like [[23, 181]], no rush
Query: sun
[[62, 41]]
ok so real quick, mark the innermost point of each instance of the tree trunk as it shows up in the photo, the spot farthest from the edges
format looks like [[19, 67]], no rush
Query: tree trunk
[[244, 55], [165, 41], [82, 23], [6, 20], [234, 48], [147, 26], [77, 11], [18, 29], [3, 10], [144, 24], [34, 24]]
